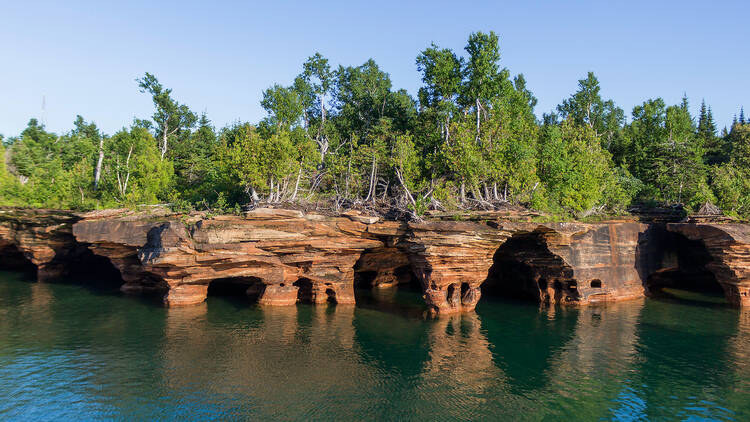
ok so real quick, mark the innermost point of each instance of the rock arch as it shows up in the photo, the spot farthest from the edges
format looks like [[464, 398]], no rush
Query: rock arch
[[14, 259], [699, 257], [524, 267], [568, 263]]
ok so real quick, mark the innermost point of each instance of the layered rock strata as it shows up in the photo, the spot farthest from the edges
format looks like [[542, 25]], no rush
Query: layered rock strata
[[729, 248], [571, 263], [286, 256], [43, 237]]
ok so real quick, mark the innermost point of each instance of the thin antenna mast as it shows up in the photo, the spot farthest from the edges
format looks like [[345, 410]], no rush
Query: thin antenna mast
[[44, 105]]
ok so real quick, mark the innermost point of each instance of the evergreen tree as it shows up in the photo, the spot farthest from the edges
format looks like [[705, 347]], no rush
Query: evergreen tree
[[706, 136]]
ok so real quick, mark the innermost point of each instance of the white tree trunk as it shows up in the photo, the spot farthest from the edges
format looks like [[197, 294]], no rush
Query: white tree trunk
[[296, 184], [98, 172], [164, 143]]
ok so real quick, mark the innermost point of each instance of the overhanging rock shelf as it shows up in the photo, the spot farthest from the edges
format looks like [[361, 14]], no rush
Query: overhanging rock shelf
[[285, 256]]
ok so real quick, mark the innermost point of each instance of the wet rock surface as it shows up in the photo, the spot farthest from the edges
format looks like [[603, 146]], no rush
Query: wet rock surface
[[287, 256]]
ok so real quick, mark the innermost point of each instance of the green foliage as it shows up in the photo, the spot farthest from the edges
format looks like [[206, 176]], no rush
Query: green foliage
[[135, 173], [265, 166], [732, 188], [667, 155], [344, 134], [731, 181], [170, 117], [576, 170]]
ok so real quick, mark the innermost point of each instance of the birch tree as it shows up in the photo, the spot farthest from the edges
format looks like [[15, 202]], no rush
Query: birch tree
[[170, 117]]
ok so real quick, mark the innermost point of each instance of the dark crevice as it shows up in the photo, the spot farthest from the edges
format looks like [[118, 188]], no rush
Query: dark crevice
[[682, 272], [236, 286], [525, 269], [399, 292], [304, 290], [14, 260], [85, 267], [331, 296], [364, 279]]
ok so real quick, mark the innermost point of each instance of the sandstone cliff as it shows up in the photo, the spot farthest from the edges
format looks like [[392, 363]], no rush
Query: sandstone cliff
[[286, 256]]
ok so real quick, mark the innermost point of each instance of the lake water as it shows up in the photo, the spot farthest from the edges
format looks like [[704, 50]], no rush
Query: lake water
[[70, 352]]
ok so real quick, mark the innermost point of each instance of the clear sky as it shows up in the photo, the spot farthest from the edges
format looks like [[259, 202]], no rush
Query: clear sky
[[83, 56]]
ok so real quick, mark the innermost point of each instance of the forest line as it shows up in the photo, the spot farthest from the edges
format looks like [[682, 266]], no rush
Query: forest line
[[346, 136]]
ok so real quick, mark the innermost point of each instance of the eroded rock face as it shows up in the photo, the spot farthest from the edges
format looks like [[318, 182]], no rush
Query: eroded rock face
[[452, 259], [601, 257], [570, 263], [729, 248], [294, 256], [43, 237], [286, 256]]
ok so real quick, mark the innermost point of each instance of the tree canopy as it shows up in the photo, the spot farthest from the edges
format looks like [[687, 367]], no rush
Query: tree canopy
[[344, 134]]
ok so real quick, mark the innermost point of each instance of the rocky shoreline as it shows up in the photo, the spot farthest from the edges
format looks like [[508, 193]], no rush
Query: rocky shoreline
[[284, 256]]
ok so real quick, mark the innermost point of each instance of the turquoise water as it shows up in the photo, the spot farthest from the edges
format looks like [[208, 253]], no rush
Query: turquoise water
[[70, 352]]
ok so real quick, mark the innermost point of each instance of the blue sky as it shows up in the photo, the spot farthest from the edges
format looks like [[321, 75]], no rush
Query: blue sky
[[83, 57]]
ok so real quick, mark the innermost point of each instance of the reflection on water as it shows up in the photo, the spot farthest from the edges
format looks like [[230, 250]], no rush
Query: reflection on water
[[68, 352]]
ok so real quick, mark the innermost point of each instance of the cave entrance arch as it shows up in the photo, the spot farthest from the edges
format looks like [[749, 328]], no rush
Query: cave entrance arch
[[14, 260], [242, 287], [682, 272], [85, 267], [525, 269], [384, 280], [305, 292]]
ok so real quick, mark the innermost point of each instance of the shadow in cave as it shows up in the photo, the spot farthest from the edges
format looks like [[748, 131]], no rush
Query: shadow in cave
[[396, 291], [305, 291], [678, 272], [12, 259], [92, 271], [525, 270], [238, 291]]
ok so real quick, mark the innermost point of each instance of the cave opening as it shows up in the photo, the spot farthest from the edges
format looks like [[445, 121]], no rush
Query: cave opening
[[236, 287], [400, 279], [14, 260], [304, 290], [683, 273], [331, 296], [384, 280], [525, 270], [451, 294], [85, 267]]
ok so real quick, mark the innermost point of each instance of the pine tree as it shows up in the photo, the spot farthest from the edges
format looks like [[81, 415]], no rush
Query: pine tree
[[742, 116], [706, 136]]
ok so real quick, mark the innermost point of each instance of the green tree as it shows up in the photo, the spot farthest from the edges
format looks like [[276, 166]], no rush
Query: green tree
[[586, 107], [442, 77], [645, 133], [575, 169], [314, 86], [482, 75], [679, 171], [170, 117], [283, 105], [194, 162], [134, 174], [707, 137]]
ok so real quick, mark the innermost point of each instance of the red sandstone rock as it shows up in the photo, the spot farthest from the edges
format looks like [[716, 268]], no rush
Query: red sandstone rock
[[43, 236], [729, 247], [286, 256]]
